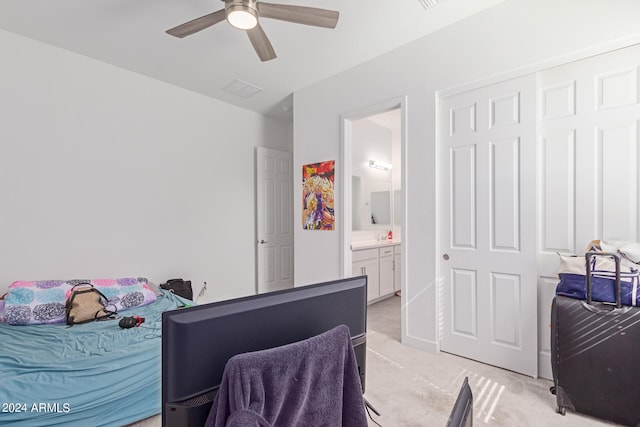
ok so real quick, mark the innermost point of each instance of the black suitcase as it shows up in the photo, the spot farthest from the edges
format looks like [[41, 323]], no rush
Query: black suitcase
[[595, 355]]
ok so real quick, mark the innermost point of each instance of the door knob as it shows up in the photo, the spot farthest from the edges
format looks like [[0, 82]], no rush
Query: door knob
[[262, 241], [445, 257]]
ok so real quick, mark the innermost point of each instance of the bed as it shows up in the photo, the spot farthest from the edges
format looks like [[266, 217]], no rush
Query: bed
[[93, 374]]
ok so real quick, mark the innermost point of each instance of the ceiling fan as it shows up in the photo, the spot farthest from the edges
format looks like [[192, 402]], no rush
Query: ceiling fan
[[244, 14]]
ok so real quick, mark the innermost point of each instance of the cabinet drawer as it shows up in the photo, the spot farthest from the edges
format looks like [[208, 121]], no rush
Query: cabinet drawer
[[386, 252], [364, 254]]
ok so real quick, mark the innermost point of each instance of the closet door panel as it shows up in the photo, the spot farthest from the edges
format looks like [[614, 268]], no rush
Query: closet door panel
[[588, 162]]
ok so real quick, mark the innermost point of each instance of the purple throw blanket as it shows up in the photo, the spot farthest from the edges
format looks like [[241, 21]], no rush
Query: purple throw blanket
[[313, 382]]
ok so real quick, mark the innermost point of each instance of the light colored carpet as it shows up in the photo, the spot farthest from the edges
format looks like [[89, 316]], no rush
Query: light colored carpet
[[412, 388]]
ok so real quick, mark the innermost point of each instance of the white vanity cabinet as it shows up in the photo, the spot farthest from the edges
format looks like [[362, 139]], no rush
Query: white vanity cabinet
[[379, 264], [365, 262], [386, 270]]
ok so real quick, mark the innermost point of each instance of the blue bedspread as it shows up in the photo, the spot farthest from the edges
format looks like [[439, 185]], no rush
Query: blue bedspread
[[94, 374]]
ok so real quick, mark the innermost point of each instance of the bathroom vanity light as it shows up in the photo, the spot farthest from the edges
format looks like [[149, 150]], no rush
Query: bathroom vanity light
[[379, 165]]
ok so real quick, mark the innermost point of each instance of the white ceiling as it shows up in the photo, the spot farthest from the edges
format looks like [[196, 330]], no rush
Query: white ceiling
[[131, 34]]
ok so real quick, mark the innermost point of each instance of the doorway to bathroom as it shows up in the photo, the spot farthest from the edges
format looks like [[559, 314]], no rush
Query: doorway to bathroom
[[373, 203]]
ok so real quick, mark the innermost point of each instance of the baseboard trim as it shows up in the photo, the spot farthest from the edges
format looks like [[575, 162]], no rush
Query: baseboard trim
[[430, 346]]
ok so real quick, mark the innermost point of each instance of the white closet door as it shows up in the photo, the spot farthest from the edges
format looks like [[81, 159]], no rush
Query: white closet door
[[588, 117], [488, 288]]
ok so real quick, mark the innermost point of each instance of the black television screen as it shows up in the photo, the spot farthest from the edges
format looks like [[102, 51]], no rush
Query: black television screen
[[198, 341], [462, 411]]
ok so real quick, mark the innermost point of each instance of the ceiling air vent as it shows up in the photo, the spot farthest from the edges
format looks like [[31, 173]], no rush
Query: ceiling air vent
[[241, 88], [427, 3]]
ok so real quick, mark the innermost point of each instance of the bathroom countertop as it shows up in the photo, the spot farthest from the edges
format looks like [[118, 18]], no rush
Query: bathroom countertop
[[370, 244]]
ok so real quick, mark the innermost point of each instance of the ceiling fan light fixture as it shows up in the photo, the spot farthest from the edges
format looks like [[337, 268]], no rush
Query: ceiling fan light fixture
[[245, 14], [242, 16]]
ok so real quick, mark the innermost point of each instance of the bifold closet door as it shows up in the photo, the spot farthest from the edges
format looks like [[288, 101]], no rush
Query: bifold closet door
[[488, 290], [589, 115]]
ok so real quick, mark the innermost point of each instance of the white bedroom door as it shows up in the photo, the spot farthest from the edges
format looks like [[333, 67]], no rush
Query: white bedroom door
[[488, 199], [589, 119], [274, 220]]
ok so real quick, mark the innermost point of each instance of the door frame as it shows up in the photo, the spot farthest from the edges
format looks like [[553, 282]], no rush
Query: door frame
[[346, 120], [539, 66]]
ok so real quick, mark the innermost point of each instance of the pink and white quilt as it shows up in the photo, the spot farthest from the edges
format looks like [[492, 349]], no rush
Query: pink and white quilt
[[39, 302]]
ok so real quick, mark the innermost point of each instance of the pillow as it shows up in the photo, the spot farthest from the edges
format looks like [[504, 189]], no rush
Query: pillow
[[629, 250], [41, 302]]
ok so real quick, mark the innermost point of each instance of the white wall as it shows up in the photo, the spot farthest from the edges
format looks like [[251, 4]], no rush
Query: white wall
[[107, 173], [517, 34]]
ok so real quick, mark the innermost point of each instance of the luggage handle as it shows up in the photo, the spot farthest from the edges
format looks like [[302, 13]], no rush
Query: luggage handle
[[616, 259]]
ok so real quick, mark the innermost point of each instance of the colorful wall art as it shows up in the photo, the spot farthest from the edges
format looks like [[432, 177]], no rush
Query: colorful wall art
[[317, 196]]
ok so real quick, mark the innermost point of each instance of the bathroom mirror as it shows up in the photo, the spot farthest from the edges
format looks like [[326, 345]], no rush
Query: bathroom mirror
[[371, 204], [381, 207]]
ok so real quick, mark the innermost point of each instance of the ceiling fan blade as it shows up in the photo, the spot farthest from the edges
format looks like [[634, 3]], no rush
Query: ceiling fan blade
[[261, 43], [299, 14], [198, 24]]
